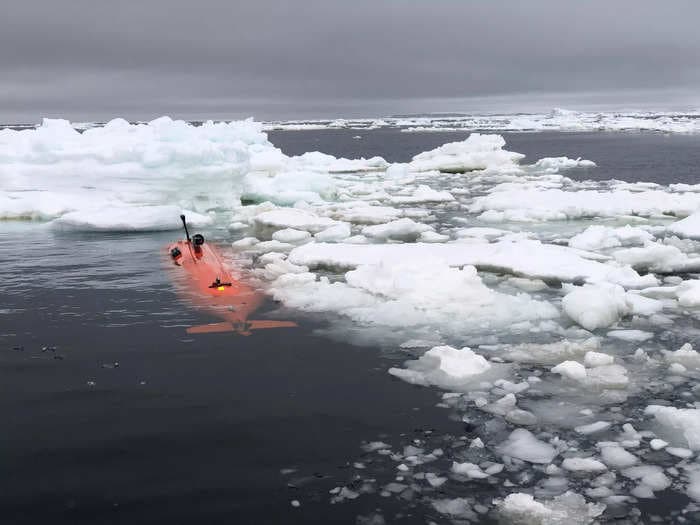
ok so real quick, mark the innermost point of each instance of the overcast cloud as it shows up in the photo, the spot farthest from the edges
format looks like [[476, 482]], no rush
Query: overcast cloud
[[94, 59]]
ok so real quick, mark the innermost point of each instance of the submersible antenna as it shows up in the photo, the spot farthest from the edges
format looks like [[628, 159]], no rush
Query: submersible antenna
[[184, 223]]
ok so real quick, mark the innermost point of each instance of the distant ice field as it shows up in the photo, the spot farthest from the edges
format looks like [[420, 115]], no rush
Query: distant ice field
[[546, 286]]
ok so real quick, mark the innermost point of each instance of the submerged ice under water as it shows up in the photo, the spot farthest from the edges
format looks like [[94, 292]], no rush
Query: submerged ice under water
[[557, 314]]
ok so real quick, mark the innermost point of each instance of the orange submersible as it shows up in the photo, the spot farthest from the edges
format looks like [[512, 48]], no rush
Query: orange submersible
[[206, 282]]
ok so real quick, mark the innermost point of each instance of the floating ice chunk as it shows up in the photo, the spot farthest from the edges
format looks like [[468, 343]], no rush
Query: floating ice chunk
[[434, 480], [469, 470], [477, 152], [271, 246], [443, 366], [294, 218], [279, 266], [123, 165], [373, 446], [617, 457], [423, 194], [417, 343], [688, 227], [641, 305], [413, 293], [551, 353], [602, 237], [678, 422], [526, 204], [685, 355], [651, 479], [522, 444], [362, 213], [630, 335], [693, 489], [455, 508], [658, 444], [522, 508], [572, 370], [605, 376], [680, 452], [335, 233], [556, 164], [518, 416], [129, 219], [291, 236], [288, 187], [688, 293], [592, 428], [577, 464], [592, 359], [401, 229], [608, 376], [245, 242], [323, 162], [596, 306], [476, 443], [481, 233], [657, 257], [431, 236], [522, 257], [569, 508]]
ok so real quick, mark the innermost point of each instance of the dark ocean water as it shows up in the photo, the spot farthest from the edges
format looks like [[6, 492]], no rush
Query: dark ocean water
[[198, 429]]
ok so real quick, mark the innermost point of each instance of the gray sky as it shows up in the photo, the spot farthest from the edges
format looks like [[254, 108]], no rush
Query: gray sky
[[96, 59]]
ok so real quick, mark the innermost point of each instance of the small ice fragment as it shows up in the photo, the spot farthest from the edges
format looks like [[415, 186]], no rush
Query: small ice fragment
[[592, 428], [577, 464], [679, 452], [617, 457], [658, 444], [476, 443], [571, 369], [435, 480], [592, 359], [522, 444], [630, 335]]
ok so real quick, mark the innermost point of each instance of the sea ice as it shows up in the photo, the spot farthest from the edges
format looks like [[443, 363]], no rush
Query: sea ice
[[524, 257], [477, 152], [401, 229], [577, 464], [567, 509], [522, 444], [444, 366], [688, 227], [596, 306], [294, 218], [129, 219], [678, 422], [598, 237]]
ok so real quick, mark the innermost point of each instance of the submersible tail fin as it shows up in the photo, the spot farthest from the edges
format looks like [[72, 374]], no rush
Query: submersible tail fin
[[240, 328]]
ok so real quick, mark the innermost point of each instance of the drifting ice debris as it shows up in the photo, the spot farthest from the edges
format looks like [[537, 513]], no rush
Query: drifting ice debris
[[688, 227], [477, 152], [678, 423], [577, 464], [522, 444], [597, 237], [596, 306], [567, 509], [444, 366]]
